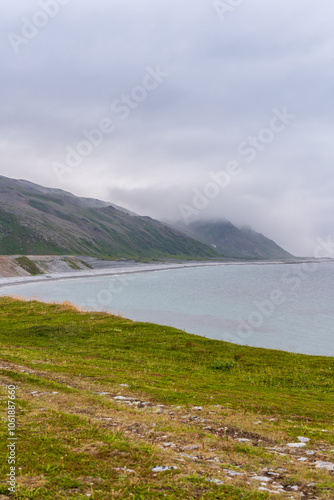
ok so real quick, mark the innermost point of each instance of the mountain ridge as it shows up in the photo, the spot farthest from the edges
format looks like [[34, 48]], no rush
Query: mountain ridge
[[232, 242], [39, 220]]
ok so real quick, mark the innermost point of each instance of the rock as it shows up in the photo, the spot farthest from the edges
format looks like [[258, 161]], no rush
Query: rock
[[162, 468], [264, 479], [168, 445], [243, 440], [122, 398], [309, 452], [296, 445], [197, 408], [303, 439], [324, 465], [216, 481], [191, 457], [125, 469], [190, 447], [232, 472], [124, 385]]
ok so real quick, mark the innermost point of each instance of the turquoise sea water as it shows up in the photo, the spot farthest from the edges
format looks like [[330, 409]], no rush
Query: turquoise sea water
[[289, 307]]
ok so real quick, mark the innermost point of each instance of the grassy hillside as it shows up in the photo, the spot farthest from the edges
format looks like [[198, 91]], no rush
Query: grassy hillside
[[42, 221], [102, 401], [230, 241]]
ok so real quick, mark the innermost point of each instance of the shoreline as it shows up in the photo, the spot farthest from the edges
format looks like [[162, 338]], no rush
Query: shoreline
[[135, 268]]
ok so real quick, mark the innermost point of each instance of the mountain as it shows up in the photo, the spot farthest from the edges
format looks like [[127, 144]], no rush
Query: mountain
[[38, 220], [230, 241]]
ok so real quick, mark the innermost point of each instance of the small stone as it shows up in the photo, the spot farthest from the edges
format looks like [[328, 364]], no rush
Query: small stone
[[216, 481], [243, 440], [162, 468], [303, 439], [168, 445], [232, 472], [296, 445], [197, 408], [190, 447], [261, 478], [324, 465]]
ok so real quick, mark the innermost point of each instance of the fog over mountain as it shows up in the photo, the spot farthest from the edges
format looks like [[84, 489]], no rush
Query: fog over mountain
[[185, 110]]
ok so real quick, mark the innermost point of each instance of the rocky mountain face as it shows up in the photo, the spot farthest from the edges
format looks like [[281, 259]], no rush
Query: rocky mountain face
[[232, 242]]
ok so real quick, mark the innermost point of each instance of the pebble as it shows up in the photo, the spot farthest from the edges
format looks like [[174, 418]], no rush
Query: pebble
[[125, 469], [190, 447], [191, 457], [216, 481], [324, 465], [162, 468], [303, 439], [232, 472]]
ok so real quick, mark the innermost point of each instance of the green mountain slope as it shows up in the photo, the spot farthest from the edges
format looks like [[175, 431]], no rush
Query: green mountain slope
[[38, 220], [230, 241]]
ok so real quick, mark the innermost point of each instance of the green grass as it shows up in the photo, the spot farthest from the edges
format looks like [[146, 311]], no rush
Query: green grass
[[28, 265], [75, 439]]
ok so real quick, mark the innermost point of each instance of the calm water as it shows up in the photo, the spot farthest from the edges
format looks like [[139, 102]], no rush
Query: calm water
[[289, 307]]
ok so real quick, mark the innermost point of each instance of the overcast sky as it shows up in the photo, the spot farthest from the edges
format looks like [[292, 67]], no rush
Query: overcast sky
[[177, 109]]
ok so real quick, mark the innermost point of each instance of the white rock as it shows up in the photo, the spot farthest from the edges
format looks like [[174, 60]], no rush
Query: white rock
[[168, 445], [324, 465], [261, 478], [190, 447], [217, 481], [125, 469], [243, 440], [303, 439], [122, 398], [124, 385], [162, 468], [302, 459], [233, 473], [309, 452], [191, 457], [197, 408], [294, 488], [296, 445]]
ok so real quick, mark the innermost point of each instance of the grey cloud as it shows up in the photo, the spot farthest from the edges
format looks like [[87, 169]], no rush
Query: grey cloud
[[225, 78]]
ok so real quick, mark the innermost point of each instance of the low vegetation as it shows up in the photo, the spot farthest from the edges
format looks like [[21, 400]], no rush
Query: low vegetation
[[28, 265], [108, 408]]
